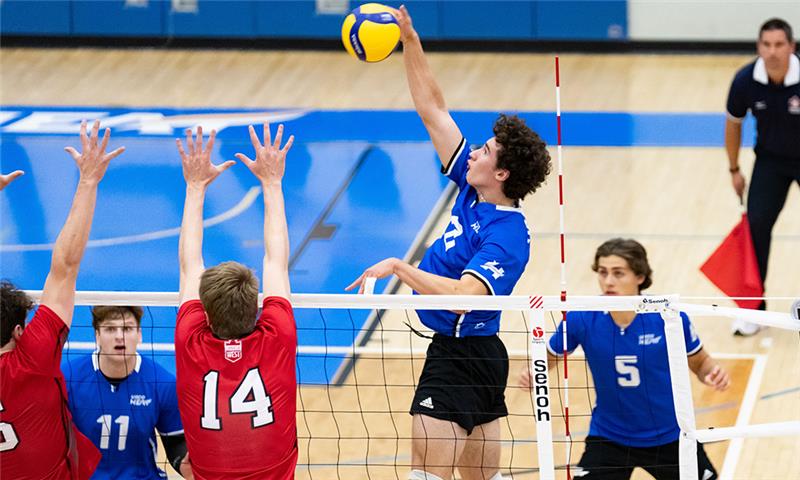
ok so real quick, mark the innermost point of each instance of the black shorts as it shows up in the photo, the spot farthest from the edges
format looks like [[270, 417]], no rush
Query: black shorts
[[463, 381], [607, 460]]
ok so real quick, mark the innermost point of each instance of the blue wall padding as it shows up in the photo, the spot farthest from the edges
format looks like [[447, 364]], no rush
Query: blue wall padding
[[231, 18], [115, 18], [582, 20], [45, 17]]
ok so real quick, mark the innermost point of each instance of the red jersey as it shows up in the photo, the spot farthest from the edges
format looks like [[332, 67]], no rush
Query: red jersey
[[37, 437], [237, 398]]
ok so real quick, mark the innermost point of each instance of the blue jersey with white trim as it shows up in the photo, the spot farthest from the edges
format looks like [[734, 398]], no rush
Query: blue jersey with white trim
[[487, 241], [121, 421], [631, 374]]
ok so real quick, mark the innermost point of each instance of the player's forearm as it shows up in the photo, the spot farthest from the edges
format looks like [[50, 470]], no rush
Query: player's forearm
[[427, 96], [276, 232], [426, 283], [71, 242], [733, 140], [190, 244]]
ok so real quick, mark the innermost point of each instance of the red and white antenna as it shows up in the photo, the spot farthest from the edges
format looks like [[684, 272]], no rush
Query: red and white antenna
[[563, 268]]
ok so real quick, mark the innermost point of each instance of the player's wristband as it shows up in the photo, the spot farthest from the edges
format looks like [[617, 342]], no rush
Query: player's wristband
[[734, 169]]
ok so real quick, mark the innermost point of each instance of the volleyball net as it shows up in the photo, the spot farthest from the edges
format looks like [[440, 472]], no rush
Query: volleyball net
[[360, 356]]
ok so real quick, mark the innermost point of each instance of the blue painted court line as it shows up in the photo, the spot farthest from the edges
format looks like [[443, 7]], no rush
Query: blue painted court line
[[359, 187]]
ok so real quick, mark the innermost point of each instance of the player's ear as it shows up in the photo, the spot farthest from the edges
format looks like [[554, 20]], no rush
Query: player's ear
[[208, 321], [17, 333], [501, 174]]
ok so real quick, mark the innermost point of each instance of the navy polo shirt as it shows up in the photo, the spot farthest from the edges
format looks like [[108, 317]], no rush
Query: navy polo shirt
[[775, 107]]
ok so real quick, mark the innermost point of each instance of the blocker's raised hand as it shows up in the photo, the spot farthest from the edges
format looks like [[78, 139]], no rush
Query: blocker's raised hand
[[197, 167], [93, 160], [270, 162]]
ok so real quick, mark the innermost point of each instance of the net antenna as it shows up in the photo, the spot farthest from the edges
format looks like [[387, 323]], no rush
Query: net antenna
[[563, 281]]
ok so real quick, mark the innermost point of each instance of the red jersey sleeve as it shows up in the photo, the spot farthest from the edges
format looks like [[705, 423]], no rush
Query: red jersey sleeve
[[40, 346], [191, 319], [278, 318]]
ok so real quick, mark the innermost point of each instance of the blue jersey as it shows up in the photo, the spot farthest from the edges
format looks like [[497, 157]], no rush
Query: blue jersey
[[490, 242], [121, 421], [631, 374]]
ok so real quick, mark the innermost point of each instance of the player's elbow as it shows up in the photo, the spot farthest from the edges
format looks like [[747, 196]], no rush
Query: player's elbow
[[63, 268]]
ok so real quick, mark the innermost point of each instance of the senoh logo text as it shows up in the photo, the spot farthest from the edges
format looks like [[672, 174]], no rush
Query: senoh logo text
[[541, 391]]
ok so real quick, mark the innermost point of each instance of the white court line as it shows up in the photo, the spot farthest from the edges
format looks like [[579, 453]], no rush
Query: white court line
[[235, 211], [745, 412]]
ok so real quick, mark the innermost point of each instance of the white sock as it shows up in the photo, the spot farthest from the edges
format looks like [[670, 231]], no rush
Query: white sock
[[421, 475]]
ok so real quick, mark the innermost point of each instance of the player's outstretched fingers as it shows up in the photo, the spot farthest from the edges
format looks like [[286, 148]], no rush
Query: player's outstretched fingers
[[288, 145], [211, 139], [253, 137], [356, 283], [95, 130], [189, 141], [84, 138], [226, 165], [181, 151], [73, 153], [278, 137], [267, 134], [9, 177], [104, 143], [115, 153], [199, 138], [244, 159]]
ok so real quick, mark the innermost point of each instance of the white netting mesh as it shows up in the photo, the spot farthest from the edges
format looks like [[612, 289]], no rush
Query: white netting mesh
[[359, 363]]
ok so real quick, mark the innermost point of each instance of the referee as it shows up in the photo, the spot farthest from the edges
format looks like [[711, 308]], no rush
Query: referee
[[770, 88]]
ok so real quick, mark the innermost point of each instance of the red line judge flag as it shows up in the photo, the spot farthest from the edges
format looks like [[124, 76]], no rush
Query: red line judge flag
[[733, 267]]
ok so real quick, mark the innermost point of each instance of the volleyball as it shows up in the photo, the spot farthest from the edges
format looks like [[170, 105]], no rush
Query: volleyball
[[370, 32]]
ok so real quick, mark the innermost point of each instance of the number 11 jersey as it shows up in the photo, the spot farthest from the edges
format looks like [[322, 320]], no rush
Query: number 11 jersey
[[237, 398]]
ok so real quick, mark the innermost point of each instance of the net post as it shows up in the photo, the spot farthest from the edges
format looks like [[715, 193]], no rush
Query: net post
[[540, 389], [681, 390]]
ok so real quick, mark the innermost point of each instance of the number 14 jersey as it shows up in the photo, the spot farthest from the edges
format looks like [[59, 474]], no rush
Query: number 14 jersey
[[237, 398]]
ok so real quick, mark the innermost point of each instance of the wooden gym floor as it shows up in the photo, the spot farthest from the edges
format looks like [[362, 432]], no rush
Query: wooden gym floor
[[676, 201]]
